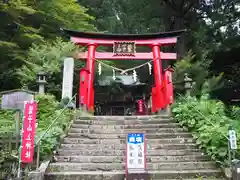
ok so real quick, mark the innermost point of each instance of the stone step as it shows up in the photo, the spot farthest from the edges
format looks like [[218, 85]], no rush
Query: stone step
[[123, 141], [119, 136], [117, 118], [120, 159], [82, 147], [119, 175], [129, 126], [197, 178], [123, 122], [124, 131], [107, 152], [66, 166]]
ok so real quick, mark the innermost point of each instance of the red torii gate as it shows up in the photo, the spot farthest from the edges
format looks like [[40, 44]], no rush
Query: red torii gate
[[162, 92]]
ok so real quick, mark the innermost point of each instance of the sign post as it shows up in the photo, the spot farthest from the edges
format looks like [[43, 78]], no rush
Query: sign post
[[17, 120], [233, 139], [232, 145], [136, 156]]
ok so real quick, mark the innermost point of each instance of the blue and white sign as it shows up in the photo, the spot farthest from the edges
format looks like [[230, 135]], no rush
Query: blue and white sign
[[135, 151]]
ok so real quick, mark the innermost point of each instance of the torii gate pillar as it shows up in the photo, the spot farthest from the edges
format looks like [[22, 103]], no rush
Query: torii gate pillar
[[90, 67], [83, 83], [157, 69]]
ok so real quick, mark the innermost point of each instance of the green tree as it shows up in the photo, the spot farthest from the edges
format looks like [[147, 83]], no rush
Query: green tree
[[203, 81], [24, 22], [48, 57]]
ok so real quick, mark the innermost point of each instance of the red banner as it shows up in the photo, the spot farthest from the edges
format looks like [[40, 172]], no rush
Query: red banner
[[28, 132], [140, 106]]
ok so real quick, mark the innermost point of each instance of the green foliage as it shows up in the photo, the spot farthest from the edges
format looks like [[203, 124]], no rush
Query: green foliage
[[209, 123], [7, 131], [7, 122], [49, 110], [47, 57], [26, 22], [235, 112], [198, 72], [47, 105], [66, 13]]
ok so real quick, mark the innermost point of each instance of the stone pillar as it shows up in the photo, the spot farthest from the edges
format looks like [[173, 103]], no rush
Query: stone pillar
[[90, 67], [67, 85], [41, 80]]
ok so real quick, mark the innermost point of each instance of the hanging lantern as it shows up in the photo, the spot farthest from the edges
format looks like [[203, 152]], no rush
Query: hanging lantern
[[150, 68], [134, 76], [114, 75], [99, 69]]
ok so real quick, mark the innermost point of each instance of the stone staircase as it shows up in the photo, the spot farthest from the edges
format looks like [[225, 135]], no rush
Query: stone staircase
[[95, 146]]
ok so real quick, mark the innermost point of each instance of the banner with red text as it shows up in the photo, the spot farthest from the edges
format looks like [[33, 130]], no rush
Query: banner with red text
[[140, 106], [28, 131]]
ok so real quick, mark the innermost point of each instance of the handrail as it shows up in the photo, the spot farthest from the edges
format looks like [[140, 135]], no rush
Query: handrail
[[49, 127]]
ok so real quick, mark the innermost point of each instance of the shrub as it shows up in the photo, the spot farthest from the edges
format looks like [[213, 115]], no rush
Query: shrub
[[235, 112], [48, 110], [208, 122]]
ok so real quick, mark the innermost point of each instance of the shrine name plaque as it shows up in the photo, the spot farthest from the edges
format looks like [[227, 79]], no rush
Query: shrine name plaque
[[124, 49]]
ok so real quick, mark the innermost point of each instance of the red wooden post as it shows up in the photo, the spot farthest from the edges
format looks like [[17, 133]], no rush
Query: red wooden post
[[83, 87], [90, 68], [138, 56], [154, 108], [91, 106], [157, 68]]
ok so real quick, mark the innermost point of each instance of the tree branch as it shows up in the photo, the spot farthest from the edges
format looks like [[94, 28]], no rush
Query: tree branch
[[173, 3], [170, 4], [181, 6], [188, 8]]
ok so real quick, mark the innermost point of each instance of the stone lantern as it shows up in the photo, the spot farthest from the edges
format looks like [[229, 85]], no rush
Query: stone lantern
[[188, 83], [41, 80]]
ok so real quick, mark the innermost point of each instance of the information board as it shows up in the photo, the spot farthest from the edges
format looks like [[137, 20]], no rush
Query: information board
[[15, 99], [136, 157]]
